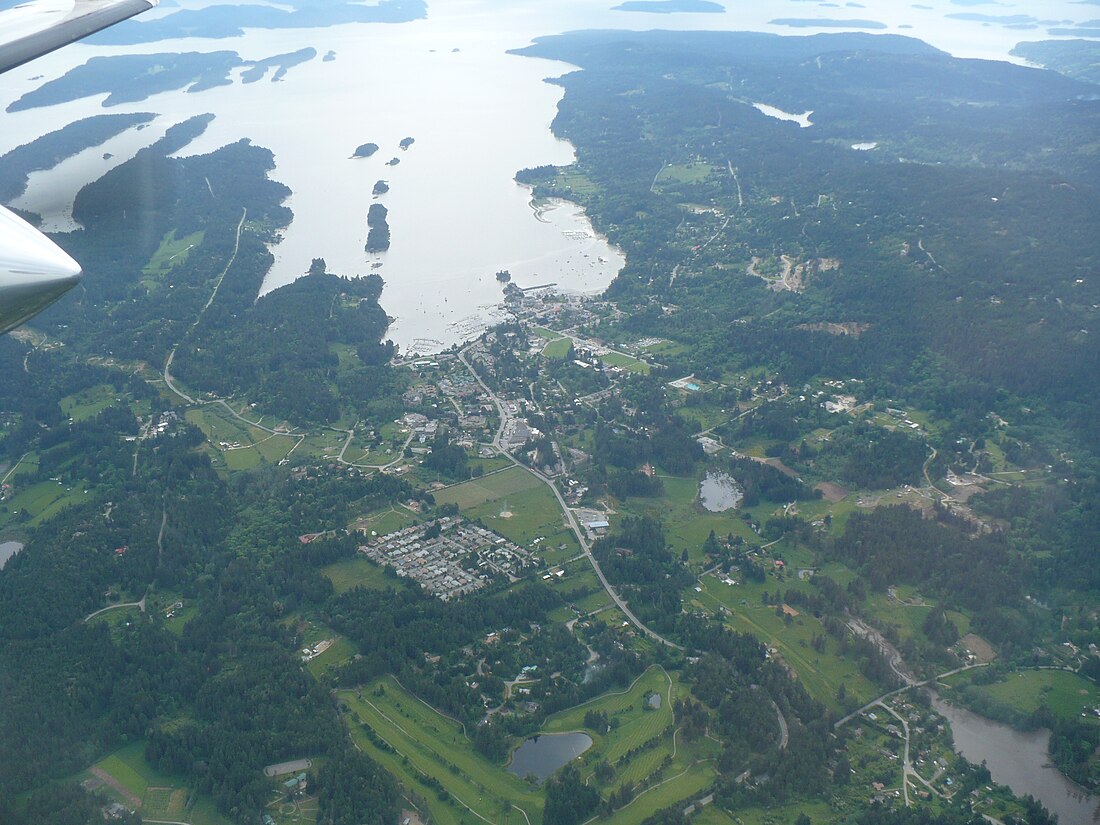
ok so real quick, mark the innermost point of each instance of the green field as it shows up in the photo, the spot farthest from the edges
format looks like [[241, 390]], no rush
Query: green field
[[340, 651], [686, 524], [385, 521], [684, 173], [557, 349], [488, 488], [357, 572], [1066, 695], [171, 253], [161, 796], [41, 501], [238, 445], [88, 403], [429, 744], [516, 505], [820, 673], [627, 362]]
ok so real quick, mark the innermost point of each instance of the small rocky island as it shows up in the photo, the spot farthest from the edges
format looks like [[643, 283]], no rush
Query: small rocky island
[[366, 150], [380, 188], [393, 161], [406, 143]]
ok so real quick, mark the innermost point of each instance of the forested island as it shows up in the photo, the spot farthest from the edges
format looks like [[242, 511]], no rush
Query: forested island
[[378, 229], [271, 564]]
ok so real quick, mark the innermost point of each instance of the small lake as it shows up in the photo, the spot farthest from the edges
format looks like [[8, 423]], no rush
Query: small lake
[[1020, 760], [542, 755], [7, 550], [718, 492]]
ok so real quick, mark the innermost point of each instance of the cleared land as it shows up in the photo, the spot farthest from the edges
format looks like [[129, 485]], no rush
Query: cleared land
[[88, 403], [1067, 695], [127, 777], [41, 501], [357, 572], [821, 673]]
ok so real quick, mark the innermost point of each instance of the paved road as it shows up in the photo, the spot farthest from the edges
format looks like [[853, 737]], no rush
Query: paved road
[[902, 689], [574, 526]]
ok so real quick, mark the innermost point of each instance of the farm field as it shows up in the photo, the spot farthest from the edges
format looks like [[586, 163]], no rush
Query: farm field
[[384, 521], [907, 613], [487, 488], [238, 445], [125, 776], [40, 501]]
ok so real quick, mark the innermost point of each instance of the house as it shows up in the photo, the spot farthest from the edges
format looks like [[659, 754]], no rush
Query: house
[[296, 785], [789, 611]]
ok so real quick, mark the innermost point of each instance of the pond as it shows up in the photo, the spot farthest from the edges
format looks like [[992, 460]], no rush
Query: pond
[[718, 492], [542, 755], [7, 550]]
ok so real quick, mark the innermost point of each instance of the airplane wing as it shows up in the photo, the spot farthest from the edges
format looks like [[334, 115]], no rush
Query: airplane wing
[[33, 29], [34, 272]]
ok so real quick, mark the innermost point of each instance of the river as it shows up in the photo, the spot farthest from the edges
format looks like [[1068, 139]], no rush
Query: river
[[1021, 761], [477, 113]]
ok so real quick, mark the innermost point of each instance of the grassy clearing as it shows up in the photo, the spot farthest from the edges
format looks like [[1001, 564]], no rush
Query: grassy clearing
[[162, 796], [385, 521], [626, 362], [820, 673], [239, 445], [684, 173], [339, 652], [88, 403], [172, 252], [532, 513], [686, 524], [41, 501], [1067, 695], [577, 182], [427, 744], [357, 572], [488, 488]]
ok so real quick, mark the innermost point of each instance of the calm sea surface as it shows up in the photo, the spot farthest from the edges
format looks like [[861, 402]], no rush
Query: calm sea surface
[[477, 114]]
